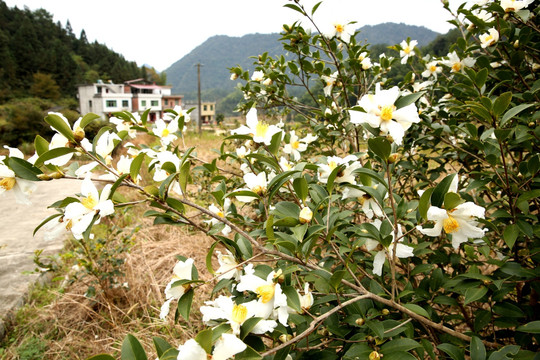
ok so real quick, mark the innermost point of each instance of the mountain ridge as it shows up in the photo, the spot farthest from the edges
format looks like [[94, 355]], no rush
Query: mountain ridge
[[220, 52]]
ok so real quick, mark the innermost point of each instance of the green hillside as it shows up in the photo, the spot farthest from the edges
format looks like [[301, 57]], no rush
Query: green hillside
[[221, 52]]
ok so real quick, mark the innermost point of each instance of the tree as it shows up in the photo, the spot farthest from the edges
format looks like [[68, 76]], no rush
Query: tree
[[44, 86]]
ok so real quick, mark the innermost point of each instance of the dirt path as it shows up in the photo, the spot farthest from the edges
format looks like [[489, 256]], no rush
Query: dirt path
[[17, 245]]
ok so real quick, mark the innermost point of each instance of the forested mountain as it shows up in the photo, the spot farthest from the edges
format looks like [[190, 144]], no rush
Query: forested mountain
[[221, 52], [42, 58]]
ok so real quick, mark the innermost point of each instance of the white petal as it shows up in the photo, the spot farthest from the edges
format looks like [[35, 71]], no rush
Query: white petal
[[227, 346], [165, 309], [191, 350], [378, 262]]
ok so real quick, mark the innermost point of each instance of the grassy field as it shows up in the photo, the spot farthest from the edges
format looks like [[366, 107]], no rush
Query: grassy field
[[60, 322]]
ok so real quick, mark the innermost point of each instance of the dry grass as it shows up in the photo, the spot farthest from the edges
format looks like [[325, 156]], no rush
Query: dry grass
[[60, 322]]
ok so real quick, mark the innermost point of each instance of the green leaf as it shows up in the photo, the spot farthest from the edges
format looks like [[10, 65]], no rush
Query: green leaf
[[87, 119], [52, 154], [332, 177], [408, 99], [23, 169], [501, 103], [451, 200], [437, 198], [184, 176], [293, 300], [478, 350], [204, 338], [481, 77], [380, 147], [98, 135], [41, 145], [132, 349], [315, 7], [60, 125], [294, 7], [425, 203], [161, 345], [135, 166], [417, 309], [277, 182], [510, 235], [184, 304], [533, 327], [474, 294], [336, 278], [44, 222], [502, 353], [300, 186], [403, 344], [116, 184], [247, 326], [453, 351], [371, 174], [101, 357], [513, 112], [275, 143], [248, 354]]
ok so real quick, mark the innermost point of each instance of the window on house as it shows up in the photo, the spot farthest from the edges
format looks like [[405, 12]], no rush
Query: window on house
[[99, 89], [90, 104], [111, 103], [154, 103], [205, 107], [125, 103], [211, 107], [143, 103]]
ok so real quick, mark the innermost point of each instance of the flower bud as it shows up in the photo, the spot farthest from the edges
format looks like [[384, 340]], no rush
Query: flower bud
[[57, 175], [516, 44], [78, 134], [305, 215], [234, 76], [393, 158], [374, 356], [360, 321], [285, 337], [44, 177], [385, 312]]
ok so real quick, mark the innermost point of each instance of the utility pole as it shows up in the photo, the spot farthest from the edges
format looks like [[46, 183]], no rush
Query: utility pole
[[199, 96]]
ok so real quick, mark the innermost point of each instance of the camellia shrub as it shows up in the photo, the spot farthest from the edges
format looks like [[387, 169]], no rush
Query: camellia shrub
[[394, 218]]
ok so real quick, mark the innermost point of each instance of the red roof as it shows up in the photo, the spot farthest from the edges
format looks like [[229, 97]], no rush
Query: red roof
[[137, 86]]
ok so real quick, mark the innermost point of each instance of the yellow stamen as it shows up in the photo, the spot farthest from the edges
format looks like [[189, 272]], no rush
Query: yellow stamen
[[239, 313], [295, 144], [7, 183], [165, 132], [387, 112], [407, 50], [450, 225], [456, 67], [332, 165], [432, 68], [89, 202], [339, 28], [258, 189], [220, 214], [261, 129], [266, 292]]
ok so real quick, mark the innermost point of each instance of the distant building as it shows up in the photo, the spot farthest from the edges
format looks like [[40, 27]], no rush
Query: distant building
[[208, 111], [106, 98]]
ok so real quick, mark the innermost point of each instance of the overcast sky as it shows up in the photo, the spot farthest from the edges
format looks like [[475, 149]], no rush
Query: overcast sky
[[160, 32]]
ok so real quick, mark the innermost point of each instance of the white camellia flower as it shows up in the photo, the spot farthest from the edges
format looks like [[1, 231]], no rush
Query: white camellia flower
[[295, 146], [59, 141], [259, 130], [402, 250], [490, 38], [225, 348], [80, 214], [365, 60], [306, 300], [180, 112], [236, 314], [106, 144], [380, 112], [345, 176], [457, 64], [182, 271], [329, 82], [305, 215], [460, 222], [122, 125], [515, 5], [432, 69], [166, 131], [256, 183], [341, 30], [228, 267], [222, 213], [272, 301], [369, 205], [21, 188], [407, 50], [257, 75]]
